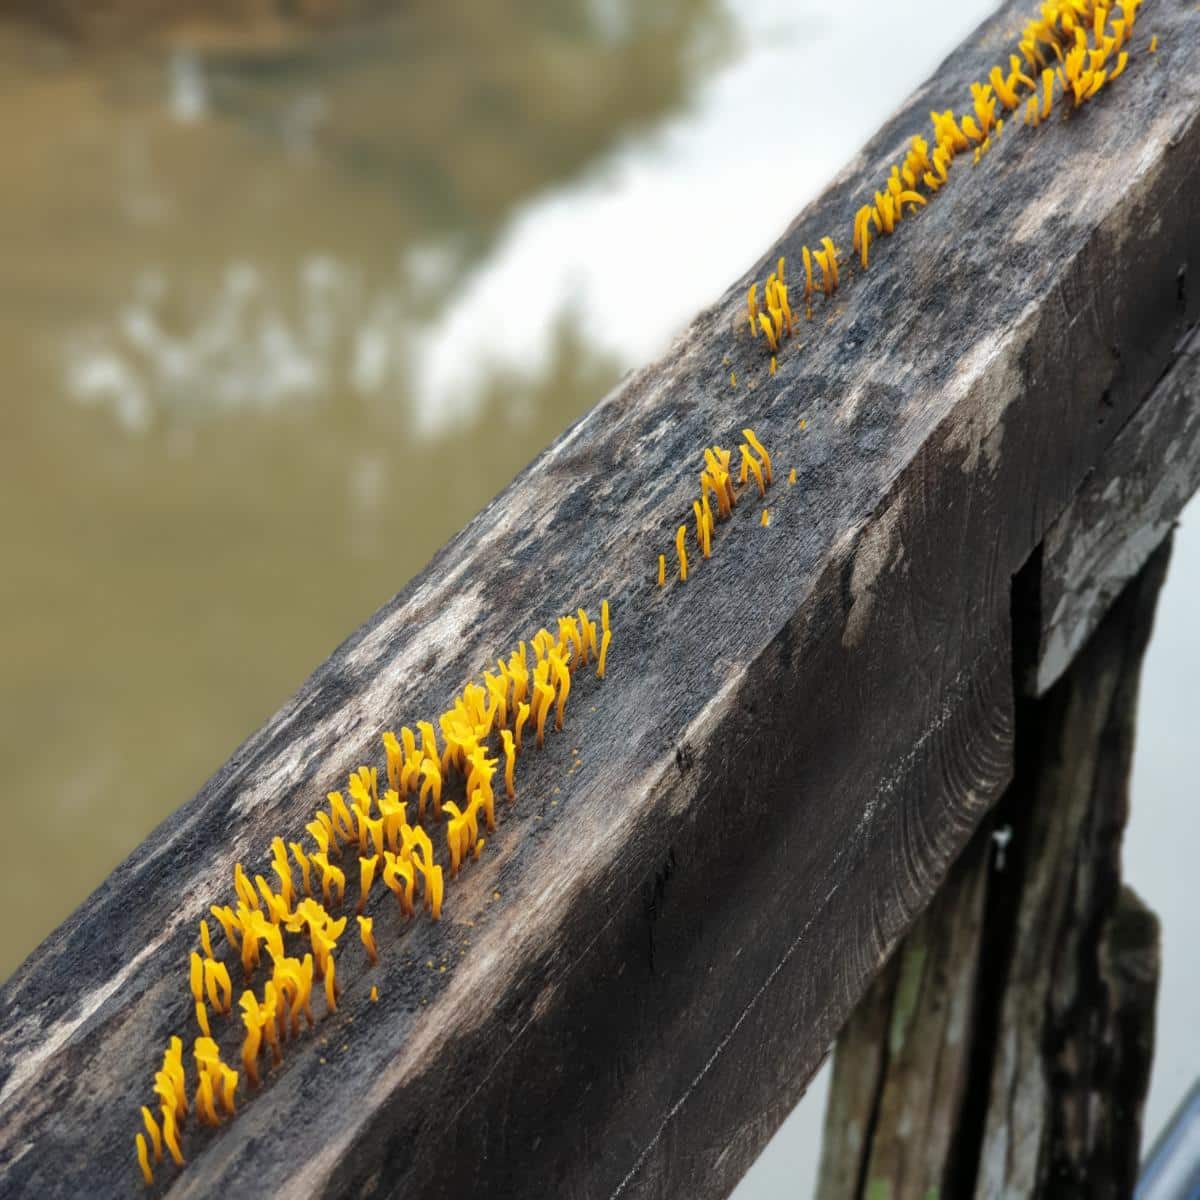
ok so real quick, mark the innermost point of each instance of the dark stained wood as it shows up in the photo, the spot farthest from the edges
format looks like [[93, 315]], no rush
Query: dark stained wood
[[1122, 513], [1006, 1050], [902, 1063], [789, 751]]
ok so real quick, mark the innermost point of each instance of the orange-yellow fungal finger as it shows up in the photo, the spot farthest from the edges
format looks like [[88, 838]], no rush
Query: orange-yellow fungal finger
[[831, 258], [218, 985], [365, 932], [768, 327], [758, 476], [564, 690], [171, 1136], [205, 1104], [229, 924], [752, 308], [331, 985], [202, 1018], [1047, 93], [143, 1158], [510, 763], [699, 522], [826, 272], [545, 695], [206, 939], [603, 652], [766, 518], [761, 451], [152, 1129], [229, 1082], [522, 717], [366, 877], [662, 570], [436, 888], [808, 272], [681, 552]]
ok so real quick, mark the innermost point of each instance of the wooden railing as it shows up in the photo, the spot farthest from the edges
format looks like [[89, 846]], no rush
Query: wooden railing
[[705, 871]]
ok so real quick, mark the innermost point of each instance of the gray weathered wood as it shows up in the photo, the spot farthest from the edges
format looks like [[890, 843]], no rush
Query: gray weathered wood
[[789, 752], [1123, 511]]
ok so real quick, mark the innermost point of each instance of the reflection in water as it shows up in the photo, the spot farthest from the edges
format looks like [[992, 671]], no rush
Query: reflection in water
[[215, 458]]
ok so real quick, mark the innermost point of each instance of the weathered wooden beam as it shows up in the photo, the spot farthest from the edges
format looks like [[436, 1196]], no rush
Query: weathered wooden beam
[[1006, 1051], [657, 946], [1124, 510]]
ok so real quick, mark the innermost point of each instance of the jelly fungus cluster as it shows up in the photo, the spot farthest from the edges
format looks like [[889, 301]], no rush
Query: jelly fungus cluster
[[1069, 52], [282, 926], [719, 490]]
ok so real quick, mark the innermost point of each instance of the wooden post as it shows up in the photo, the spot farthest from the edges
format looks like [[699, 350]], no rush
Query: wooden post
[[1006, 1051]]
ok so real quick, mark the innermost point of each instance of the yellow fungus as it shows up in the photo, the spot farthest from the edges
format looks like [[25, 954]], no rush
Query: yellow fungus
[[205, 1103], [431, 784], [1154, 44], [152, 1129], [144, 1159], [831, 258], [808, 272], [772, 364], [218, 985], [366, 875], [768, 328], [758, 474], [171, 1136], [766, 518], [681, 552], [229, 924], [244, 888], [522, 717], [374, 993], [761, 451], [545, 698], [732, 379], [1047, 92], [331, 985], [1122, 60], [206, 939], [564, 689], [603, 652], [400, 879], [365, 932], [510, 763], [826, 271], [752, 308], [229, 1082]]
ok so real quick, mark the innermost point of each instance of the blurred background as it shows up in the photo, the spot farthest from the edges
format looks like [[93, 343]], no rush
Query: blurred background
[[290, 288]]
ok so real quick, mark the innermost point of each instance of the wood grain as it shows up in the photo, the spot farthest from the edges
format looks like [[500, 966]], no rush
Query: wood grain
[[787, 755]]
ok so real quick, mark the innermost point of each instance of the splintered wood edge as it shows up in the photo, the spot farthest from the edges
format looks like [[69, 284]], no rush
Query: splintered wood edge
[[789, 751]]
